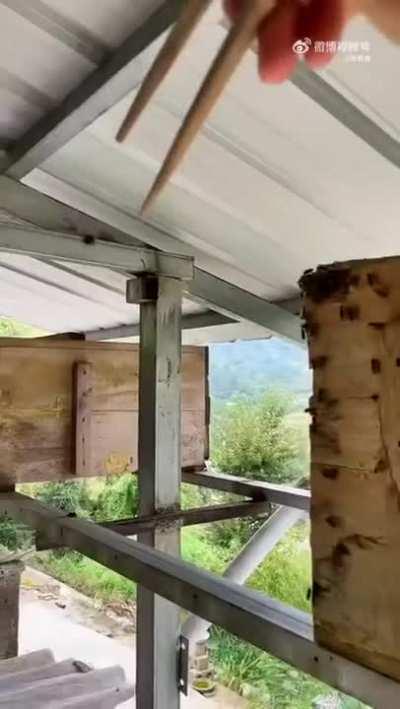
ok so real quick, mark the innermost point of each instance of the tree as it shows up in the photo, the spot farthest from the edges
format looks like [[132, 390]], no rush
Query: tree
[[251, 438]]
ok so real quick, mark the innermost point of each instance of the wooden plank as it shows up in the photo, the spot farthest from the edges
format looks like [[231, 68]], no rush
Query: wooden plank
[[352, 316], [82, 396], [36, 408]]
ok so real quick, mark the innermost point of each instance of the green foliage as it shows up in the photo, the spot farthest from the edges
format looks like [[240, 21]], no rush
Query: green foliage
[[196, 549], [69, 497], [13, 328], [113, 498], [256, 439], [118, 498], [285, 574], [87, 576], [265, 681], [13, 536], [251, 438]]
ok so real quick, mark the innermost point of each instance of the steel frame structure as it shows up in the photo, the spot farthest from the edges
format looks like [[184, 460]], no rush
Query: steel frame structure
[[47, 229], [262, 621], [166, 583]]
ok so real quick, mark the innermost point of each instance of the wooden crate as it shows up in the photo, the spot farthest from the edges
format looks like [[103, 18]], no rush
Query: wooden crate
[[37, 408], [352, 318]]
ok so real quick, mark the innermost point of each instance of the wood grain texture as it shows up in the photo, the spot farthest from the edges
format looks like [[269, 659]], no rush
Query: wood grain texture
[[352, 318], [82, 410], [10, 575], [37, 433]]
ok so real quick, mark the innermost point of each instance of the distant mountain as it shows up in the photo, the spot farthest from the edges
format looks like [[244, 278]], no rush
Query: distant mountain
[[250, 368]]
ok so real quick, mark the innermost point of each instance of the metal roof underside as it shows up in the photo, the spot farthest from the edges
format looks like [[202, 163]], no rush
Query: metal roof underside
[[280, 180]]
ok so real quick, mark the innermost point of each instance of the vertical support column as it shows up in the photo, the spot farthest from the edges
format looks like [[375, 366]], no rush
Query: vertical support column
[[10, 576], [158, 620]]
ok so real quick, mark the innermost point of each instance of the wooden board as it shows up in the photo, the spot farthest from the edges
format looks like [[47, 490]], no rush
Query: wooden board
[[352, 314], [37, 426]]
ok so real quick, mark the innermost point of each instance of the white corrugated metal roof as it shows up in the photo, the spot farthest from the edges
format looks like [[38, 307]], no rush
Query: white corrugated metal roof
[[274, 185]]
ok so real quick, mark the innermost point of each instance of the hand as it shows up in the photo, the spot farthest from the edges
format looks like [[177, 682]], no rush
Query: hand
[[317, 20]]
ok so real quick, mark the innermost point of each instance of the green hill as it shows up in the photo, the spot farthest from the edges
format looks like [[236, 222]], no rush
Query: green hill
[[249, 368]]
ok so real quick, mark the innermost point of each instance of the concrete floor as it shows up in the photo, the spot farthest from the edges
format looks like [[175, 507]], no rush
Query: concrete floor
[[52, 616]]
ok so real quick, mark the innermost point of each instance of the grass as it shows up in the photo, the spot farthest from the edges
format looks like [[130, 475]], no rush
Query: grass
[[286, 572], [265, 681], [87, 576]]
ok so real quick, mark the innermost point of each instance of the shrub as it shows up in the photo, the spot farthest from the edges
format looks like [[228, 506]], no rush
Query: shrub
[[69, 497], [14, 536], [118, 498], [251, 438]]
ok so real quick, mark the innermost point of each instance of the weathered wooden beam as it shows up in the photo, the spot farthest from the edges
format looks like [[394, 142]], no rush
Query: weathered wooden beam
[[37, 440], [200, 515], [83, 404], [276, 494], [352, 315], [10, 577], [262, 621]]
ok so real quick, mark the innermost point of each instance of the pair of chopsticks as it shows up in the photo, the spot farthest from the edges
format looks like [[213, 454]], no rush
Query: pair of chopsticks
[[239, 39]]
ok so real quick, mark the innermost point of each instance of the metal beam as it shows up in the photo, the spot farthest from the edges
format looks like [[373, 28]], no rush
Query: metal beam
[[36, 209], [232, 301], [245, 564], [198, 515], [344, 111], [159, 463], [62, 28], [272, 626], [42, 211], [192, 321], [41, 243], [276, 494], [102, 89]]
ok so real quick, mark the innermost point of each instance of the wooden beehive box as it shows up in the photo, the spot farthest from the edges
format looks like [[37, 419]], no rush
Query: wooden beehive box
[[352, 318], [38, 408]]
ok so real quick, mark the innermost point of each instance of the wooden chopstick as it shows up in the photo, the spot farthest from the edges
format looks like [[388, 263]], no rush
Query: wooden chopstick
[[237, 42], [192, 13]]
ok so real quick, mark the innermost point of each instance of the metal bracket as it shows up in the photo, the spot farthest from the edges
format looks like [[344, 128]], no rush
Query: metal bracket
[[183, 665]]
